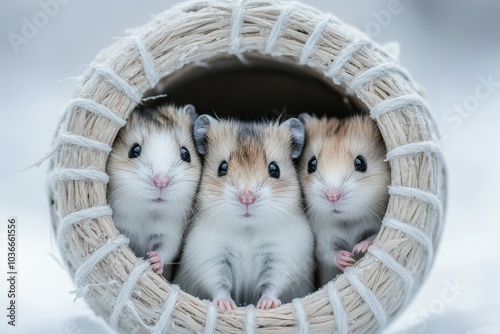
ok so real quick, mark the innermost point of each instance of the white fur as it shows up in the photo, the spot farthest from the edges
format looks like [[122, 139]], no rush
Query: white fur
[[228, 255], [284, 238], [247, 247], [333, 231], [150, 225]]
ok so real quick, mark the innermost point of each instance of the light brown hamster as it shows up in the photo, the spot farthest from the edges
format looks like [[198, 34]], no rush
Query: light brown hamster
[[344, 178], [250, 242]]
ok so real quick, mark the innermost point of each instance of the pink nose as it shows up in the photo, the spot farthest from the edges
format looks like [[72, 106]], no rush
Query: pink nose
[[161, 181], [247, 197], [333, 195]]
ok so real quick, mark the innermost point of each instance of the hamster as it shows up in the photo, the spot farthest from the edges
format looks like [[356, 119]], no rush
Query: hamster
[[154, 173], [250, 242], [344, 178]]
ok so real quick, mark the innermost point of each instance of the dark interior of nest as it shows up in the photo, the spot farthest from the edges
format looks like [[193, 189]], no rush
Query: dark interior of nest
[[254, 89]]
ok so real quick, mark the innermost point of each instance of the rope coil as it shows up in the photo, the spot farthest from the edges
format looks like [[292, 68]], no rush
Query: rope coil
[[229, 28]]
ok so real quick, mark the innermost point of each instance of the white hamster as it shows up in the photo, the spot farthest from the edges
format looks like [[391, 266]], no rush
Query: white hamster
[[250, 242], [344, 178], [154, 174]]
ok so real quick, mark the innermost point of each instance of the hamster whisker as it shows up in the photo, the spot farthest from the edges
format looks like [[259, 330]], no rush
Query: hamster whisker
[[350, 175], [215, 172], [368, 176], [317, 174], [139, 160], [125, 170]]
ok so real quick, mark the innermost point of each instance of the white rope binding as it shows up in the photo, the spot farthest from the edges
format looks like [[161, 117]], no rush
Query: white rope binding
[[343, 57], [77, 174], [368, 296], [164, 324], [250, 324], [397, 102], [300, 314], [78, 216], [338, 308], [277, 30], [414, 148], [120, 84], [236, 25], [72, 139], [375, 72], [77, 140], [313, 40], [127, 289], [147, 62], [95, 108], [97, 256], [419, 194], [395, 266], [211, 319], [415, 233]]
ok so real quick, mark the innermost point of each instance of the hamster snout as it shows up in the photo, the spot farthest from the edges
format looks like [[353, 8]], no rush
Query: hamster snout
[[333, 194], [161, 180], [247, 197]]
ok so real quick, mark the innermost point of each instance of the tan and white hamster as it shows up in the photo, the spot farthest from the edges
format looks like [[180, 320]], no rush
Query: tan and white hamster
[[154, 174], [344, 178], [250, 242]]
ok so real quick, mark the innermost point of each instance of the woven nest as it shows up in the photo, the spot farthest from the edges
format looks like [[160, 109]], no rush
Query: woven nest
[[125, 290]]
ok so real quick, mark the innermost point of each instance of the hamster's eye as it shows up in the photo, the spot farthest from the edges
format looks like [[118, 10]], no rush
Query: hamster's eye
[[135, 151], [223, 167], [360, 164], [312, 165], [185, 154], [274, 170]]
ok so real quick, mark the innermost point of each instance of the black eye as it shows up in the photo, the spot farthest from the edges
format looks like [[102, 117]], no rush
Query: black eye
[[274, 170], [135, 151], [185, 154], [223, 167], [312, 165], [360, 164]]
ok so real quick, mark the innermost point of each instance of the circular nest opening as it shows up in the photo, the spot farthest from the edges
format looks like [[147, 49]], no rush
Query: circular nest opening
[[248, 59], [252, 88]]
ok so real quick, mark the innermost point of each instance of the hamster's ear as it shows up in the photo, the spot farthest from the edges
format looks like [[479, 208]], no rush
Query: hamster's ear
[[190, 110], [305, 118], [201, 126], [296, 129]]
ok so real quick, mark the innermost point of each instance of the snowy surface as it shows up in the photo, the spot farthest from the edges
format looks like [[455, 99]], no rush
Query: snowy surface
[[447, 45]]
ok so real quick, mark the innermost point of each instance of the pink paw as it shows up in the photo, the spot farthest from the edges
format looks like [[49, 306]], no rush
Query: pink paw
[[156, 263], [362, 247], [225, 304], [267, 302], [344, 259]]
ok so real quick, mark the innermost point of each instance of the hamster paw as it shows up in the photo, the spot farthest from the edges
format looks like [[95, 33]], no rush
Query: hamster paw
[[362, 247], [156, 263], [225, 304], [344, 260], [267, 302]]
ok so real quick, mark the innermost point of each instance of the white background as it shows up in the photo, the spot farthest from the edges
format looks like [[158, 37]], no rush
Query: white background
[[447, 45]]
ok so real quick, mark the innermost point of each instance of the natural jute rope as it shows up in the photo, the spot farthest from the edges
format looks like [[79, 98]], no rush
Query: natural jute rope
[[123, 289]]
